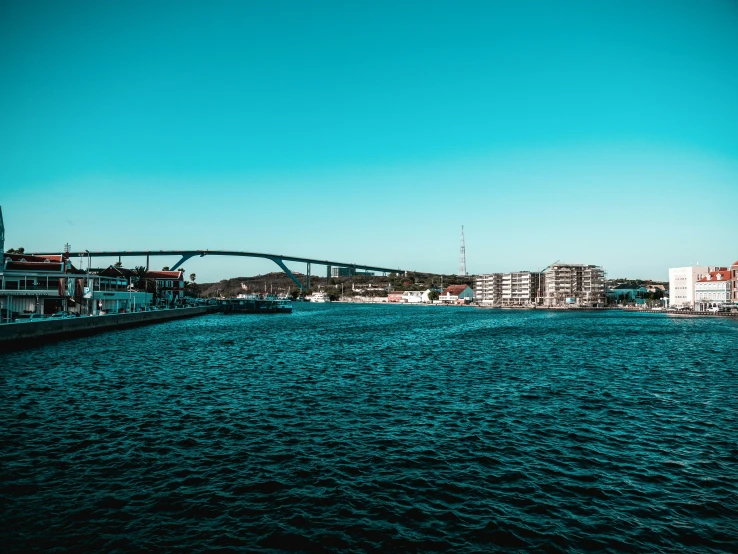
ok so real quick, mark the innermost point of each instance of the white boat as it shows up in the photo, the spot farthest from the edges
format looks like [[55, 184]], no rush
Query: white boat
[[318, 297]]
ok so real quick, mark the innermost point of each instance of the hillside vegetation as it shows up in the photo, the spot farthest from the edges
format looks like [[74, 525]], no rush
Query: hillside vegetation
[[279, 283]]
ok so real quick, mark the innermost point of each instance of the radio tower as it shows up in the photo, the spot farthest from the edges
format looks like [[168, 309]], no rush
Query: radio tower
[[462, 256]]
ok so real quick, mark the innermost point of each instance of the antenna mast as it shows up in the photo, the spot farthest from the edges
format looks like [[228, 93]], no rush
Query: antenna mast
[[462, 256]]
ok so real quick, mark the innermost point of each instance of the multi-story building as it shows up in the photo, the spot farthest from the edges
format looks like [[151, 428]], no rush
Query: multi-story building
[[45, 285], [169, 285], [520, 288], [681, 284], [734, 283], [342, 271], [573, 284], [488, 289], [714, 290]]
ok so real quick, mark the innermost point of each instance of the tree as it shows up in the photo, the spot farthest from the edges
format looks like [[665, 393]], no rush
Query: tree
[[433, 295], [20, 250], [165, 268], [141, 280], [118, 264], [193, 277]]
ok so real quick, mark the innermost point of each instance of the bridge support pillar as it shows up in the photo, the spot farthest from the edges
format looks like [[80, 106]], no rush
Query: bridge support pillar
[[185, 257], [308, 275], [280, 263], [328, 272]]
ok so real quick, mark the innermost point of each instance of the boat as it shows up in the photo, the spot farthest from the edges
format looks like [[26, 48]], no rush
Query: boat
[[318, 297], [254, 304]]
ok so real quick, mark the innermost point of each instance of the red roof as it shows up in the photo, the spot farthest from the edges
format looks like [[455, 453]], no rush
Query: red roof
[[112, 271], [164, 274], [35, 266], [735, 263], [455, 290], [724, 276], [30, 258]]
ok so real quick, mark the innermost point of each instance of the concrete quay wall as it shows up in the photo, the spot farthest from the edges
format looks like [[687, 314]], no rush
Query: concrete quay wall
[[17, 336]]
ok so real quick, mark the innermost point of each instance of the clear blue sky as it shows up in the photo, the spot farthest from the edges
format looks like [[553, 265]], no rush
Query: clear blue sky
[[596, 132]]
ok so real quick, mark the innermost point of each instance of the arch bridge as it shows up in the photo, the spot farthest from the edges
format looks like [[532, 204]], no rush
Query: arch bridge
[[185, 255]]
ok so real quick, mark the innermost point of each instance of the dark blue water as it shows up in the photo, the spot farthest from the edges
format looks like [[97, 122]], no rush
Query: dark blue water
[[381, 428]]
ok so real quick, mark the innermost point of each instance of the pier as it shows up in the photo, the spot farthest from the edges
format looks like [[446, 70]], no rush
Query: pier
[[31, 333]]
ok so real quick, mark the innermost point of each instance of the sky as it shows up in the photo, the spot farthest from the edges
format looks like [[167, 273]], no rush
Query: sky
[[370, 132]]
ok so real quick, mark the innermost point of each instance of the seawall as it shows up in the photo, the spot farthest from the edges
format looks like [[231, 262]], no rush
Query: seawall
[[17, 336]]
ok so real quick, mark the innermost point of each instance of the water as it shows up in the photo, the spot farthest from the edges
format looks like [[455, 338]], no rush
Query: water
[[381, 428]]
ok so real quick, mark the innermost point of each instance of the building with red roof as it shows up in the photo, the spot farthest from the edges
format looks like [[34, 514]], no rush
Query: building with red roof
[[713, 290], [734, 281], [457, 294], [169, 285]]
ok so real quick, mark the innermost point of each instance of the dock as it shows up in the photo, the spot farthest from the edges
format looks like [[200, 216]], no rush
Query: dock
[[32, 333]]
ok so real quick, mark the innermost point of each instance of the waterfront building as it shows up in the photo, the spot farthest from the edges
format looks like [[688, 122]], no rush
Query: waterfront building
[[457, 294], [681, 284], [573, 284], [627, 294], [713, 290], [416, 296], [169, 285], [734, 281], [488, 289], [395, 296], [520, 288], [45, 285]]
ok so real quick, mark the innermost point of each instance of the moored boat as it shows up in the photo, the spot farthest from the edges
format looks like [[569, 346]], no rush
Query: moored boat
[[318, 297], [255, 304]]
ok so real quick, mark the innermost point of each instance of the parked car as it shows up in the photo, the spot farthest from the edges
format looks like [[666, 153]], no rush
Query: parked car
[[63, 315], [36, 317]]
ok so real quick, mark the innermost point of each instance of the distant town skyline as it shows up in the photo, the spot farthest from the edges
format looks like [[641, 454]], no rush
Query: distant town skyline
[[585, 132]]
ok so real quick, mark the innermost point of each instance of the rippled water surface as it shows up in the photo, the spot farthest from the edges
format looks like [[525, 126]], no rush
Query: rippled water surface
[[384, 428]]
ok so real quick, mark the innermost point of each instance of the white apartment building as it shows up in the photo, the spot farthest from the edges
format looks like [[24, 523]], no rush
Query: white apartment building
[[488, 289], [520, 288], [574, 285], [681, 284], [714, 290]]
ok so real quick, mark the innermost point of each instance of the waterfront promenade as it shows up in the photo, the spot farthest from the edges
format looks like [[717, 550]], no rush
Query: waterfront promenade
[[29, 333]]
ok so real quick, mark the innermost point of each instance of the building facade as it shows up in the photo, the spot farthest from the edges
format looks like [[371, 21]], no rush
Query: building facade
[[734, 281], [627, 294], [574, 285], [488, 289], [45, 285], [714, 290], [457, 294], [681, 284], [520, 288]]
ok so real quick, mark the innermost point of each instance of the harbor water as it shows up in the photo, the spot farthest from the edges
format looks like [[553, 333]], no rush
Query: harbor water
[[344, 428]]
